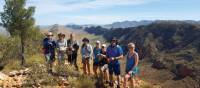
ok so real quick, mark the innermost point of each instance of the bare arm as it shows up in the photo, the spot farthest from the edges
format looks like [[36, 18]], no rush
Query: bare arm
[[119, 57], [136, 60]]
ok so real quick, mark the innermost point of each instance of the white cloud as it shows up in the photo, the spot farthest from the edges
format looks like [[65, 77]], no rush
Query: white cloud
[[86, 19], [49, 11], [97, 19], [53, 6]]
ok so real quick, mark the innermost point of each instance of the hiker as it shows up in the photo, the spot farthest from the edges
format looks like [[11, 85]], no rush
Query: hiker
[[103, 63], [114, 53], [49, 46], [72, 50], [86, 51], [96, 52], [132, 60], [61, 48]]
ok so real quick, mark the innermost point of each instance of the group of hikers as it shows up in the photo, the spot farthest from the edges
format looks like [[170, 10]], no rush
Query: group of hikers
[[106, 59]]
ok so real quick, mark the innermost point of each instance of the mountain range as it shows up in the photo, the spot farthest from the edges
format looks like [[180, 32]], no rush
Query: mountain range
[[123, 24], [126, 24], [172, 47]]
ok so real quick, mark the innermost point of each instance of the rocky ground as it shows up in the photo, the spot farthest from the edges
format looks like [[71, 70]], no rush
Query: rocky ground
[[16, 79], [13, 79]]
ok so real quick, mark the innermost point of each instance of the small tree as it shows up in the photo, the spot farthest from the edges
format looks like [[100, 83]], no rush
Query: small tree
[[18, 20]]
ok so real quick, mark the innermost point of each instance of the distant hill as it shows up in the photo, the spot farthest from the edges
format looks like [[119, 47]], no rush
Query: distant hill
[[124, 24], [98, 30], [127, 24], [56, 28], [74, 26], [80, 27]]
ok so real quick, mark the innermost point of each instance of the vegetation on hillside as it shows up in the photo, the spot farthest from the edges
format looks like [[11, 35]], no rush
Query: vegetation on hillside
[[171, 45]]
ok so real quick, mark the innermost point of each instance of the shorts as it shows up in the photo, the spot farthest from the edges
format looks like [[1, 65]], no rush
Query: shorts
[[135, 72], [85, 59], [104, 67], [114, 68], [50, 58], [102, 63], [96, 64]]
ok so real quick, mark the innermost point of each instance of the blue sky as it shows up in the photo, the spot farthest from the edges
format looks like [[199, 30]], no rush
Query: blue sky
[[50, 12]]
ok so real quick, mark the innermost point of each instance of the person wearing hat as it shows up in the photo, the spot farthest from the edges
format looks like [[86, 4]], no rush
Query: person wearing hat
[[49, 46], [61, 48], [132, 60], [114, 53], [72, 50], [103, 63], [96, 52], [86, 52]]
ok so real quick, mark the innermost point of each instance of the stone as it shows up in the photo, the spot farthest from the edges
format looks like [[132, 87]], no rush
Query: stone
[[3, 76], [65, 83], [13, 73]]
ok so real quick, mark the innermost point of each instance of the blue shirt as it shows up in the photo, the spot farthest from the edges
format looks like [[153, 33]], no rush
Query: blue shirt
[[130, 62], [49, 45], [114, 51], [96, 52]]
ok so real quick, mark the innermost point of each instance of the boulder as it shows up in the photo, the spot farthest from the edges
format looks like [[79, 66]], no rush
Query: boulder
[[3, 76], [13, 73]]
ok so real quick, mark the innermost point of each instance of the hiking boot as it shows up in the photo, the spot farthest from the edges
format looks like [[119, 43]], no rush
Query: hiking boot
[[118, 86]]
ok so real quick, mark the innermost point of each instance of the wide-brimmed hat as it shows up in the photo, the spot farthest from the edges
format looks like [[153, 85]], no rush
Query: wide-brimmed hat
[[61, 34], [103, 45], [98, 42], [49, 34], [85, 40]]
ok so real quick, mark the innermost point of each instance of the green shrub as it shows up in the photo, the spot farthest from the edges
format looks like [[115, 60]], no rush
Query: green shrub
[[82, 82], [10, 47]]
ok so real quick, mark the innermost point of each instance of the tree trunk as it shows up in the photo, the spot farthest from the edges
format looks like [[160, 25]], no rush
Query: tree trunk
[[22, 49]]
